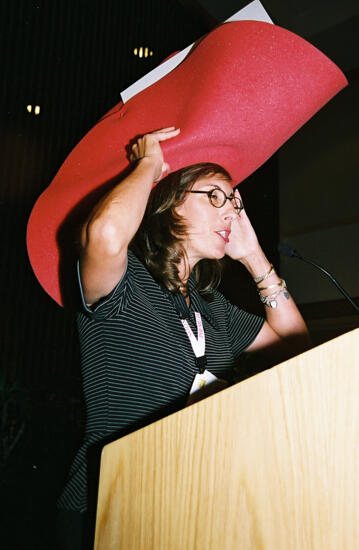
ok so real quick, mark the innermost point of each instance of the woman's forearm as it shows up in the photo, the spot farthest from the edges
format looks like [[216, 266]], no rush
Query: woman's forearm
[[284, 333], [116, 218]]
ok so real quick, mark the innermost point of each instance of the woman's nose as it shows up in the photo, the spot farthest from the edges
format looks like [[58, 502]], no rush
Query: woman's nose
[[229, 212]]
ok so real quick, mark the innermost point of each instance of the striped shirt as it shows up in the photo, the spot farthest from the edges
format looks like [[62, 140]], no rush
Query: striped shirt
[[137, 360]]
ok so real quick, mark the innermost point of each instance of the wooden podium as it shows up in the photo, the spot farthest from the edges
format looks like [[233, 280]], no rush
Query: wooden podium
[[271, 463]]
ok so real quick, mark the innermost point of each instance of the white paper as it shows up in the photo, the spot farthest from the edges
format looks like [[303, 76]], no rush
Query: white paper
[[253, 12]]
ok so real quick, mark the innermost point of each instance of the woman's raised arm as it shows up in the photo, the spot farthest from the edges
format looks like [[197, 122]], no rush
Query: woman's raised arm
[[115, 219]]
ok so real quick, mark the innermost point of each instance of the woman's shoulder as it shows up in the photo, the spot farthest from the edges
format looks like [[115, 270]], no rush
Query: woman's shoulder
[[136, 267]]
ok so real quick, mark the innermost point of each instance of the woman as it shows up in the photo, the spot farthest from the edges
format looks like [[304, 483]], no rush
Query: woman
[[153, 328]]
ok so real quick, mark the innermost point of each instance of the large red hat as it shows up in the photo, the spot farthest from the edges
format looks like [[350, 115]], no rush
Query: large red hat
[[237, 97]]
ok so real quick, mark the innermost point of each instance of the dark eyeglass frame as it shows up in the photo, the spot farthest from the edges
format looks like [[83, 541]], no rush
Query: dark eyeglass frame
[[225, 198]]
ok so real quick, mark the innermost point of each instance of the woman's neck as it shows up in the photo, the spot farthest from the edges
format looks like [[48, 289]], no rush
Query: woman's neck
[[185, 268], [184, 276]]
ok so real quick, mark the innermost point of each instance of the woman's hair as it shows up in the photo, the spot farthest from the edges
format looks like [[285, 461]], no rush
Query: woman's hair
[[159, 239]]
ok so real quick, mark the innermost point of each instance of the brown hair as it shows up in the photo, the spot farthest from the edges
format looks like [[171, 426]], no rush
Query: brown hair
[[158, 241]]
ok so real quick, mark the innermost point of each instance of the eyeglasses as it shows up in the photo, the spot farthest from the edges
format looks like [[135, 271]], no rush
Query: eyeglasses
[[218, 198]]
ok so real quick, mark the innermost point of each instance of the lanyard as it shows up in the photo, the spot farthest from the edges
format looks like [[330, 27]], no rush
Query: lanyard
[[198, 344]]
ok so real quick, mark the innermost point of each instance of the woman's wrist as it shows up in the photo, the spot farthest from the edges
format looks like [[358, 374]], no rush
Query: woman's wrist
[[152, 165], [269, 285], [257, 264]]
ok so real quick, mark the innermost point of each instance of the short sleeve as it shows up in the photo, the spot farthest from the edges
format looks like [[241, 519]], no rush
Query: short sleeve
[[114, 303]]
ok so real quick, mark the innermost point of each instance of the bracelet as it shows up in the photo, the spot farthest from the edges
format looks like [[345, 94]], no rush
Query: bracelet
[[261, 278], [281, 283], [271, 300]]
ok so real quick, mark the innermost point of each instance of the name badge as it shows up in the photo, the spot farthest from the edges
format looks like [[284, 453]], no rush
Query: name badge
[[203, 385]]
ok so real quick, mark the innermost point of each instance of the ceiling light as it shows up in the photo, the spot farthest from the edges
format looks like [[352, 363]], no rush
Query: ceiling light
[[142, 51]]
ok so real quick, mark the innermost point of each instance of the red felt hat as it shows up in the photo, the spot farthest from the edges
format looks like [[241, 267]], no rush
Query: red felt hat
[[238, 96]]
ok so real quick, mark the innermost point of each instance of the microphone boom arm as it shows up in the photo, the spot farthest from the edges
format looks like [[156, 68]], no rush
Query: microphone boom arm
[[288, 250]]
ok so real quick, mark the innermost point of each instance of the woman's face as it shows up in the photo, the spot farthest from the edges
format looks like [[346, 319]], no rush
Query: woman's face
[[208, 227]]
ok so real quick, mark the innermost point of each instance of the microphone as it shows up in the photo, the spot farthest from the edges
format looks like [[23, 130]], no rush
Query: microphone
[[287, 250]]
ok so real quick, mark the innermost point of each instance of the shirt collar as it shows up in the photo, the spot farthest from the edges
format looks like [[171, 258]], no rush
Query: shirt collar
[[198, 303]]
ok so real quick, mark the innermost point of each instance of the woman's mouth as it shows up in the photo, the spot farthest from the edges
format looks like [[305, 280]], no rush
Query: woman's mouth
[[224, 234]]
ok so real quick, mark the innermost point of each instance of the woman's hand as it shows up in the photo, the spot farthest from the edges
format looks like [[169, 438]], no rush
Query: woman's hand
[[148, 147], [243, 242]]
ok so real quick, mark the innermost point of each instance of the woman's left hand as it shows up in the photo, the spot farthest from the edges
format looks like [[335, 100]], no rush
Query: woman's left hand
[[243, 242]]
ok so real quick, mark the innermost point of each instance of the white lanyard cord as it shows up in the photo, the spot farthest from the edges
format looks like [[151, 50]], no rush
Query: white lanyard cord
[[198, 344]]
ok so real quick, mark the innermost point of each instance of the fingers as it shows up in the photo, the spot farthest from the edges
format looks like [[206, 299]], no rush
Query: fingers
[[136, 154], [154, 137], [167, 129], [166, 133], [148, 145], [240, 205], [165, 168], [237, 194], [162, 134]]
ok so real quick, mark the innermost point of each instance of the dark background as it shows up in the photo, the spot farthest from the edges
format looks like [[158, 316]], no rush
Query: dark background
[[72, 58]]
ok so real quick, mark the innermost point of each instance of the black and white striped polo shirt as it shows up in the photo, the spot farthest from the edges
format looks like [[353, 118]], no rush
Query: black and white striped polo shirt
[[137, 359]]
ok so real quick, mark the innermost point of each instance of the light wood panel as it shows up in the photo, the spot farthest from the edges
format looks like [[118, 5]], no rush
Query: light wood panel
[[271, 463]]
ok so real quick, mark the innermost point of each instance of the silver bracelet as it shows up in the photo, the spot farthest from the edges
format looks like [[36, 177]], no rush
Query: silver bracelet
[[271, 299]]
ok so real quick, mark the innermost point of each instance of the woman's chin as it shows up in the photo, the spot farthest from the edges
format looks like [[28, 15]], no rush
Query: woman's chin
[[218, 255]]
